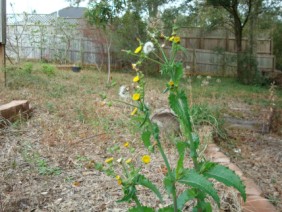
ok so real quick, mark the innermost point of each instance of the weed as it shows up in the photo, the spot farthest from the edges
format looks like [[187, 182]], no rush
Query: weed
[[35, 159], [50, 107], [49, 70], [27, 68]]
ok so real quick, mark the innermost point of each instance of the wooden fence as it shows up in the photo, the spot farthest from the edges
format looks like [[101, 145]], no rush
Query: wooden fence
[[221, 63], [210, 52], [221, 39]]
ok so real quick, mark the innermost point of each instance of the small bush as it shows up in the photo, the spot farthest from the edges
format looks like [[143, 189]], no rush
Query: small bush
[[27, 68], [49, 70]]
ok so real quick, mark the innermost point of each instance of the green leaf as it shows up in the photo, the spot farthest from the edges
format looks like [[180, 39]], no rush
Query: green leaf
[[142, 180], [178, 103], [226, 176], [181, 151], [168, 183], [146, 138], [178, 72], [205, 166], [167, 209], [184, 197], [141, 209], [192, 178], [156, 131], [203, 206], [128, 194]]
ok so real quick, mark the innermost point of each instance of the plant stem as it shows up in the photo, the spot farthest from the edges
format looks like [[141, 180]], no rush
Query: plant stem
[[135, 198], [174, 198]]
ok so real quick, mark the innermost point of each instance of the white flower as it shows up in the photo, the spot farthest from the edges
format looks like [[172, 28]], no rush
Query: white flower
[[148, 47], [124, 92], [208, 77]]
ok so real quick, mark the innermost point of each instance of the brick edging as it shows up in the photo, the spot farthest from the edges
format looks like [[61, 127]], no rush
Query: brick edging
[[255, 201]]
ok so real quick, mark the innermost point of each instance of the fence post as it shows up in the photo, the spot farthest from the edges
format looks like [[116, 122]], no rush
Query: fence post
[[81, 51], [226, 41]]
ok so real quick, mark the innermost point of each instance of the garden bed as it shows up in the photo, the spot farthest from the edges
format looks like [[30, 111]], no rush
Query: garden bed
[[46, 162]]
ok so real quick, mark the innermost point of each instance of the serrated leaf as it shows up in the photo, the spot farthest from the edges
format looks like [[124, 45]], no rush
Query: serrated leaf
[[141, 209], [167, 209], [156, 131], [178, 72], [168, 183], [128, 194], [195, 180], [142, 180], [181, 151], [146, 135], [178, 103], [227, 177], [205, 166], [184, 197]]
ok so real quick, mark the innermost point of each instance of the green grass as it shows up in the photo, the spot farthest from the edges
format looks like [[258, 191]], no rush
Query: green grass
[[76, 97]]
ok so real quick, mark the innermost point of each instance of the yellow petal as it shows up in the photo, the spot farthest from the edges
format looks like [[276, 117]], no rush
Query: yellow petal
[[138, 49], [109, 160], [171, 38], [126, 144], [171, 83], [128, 160], [136, 97], [134, 111], [136, 79], [176, 39], [146, 159]]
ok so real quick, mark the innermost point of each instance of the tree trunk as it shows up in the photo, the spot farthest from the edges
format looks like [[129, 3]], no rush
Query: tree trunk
[[240, 54]]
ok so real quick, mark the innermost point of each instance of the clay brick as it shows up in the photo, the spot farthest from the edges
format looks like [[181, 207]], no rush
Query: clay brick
[[252, 188], [258, 204], [15, 109], [222, 160], [236, 169]]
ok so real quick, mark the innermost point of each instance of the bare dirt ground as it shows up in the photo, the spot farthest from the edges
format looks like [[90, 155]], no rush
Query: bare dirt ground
[[260, 158], [46, 162]]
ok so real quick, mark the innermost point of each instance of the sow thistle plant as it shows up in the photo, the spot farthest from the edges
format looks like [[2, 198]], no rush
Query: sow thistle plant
[[197, 178]]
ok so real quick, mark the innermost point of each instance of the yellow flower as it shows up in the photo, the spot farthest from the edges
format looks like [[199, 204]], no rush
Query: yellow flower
[[146, 159], [138, 49], [109, 160], [171, 83], [134, 111], [128, 160], [136, 79], [136, 97], [118, 179], [126, 144], [176, 39]]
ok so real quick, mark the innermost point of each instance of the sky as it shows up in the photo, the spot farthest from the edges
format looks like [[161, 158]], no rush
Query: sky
[[40, 6]]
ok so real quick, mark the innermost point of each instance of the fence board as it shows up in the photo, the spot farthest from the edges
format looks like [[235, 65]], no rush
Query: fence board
[[207, 49]]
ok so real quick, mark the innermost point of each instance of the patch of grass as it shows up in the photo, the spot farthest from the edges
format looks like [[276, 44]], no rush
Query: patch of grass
[[57, 91], [38, 162], [207, 115]]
